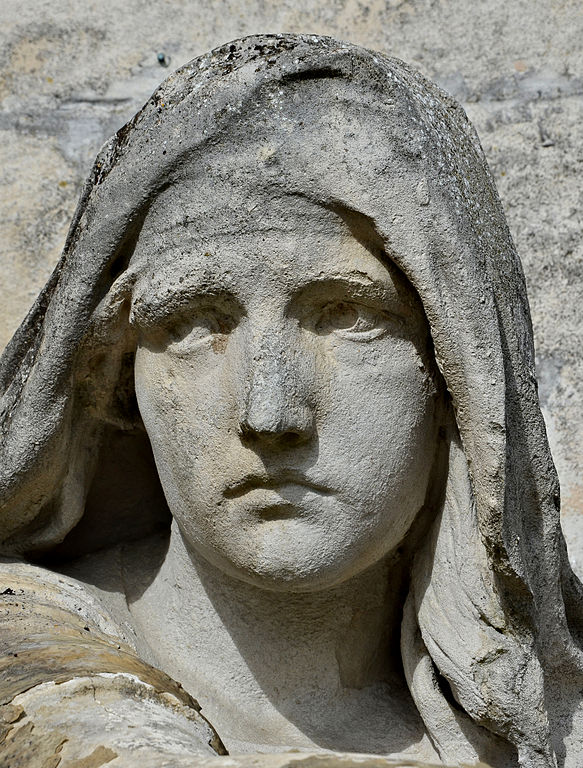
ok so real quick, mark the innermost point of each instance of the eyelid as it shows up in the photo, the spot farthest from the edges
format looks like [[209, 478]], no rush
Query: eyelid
[[156, 312], [187, 336], [374, 294], [366, 323]]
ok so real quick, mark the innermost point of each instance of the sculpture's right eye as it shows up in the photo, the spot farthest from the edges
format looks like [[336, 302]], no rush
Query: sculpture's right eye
[[196, 327]]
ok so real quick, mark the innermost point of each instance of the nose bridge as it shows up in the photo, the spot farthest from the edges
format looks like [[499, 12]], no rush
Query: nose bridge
[[276, 398]]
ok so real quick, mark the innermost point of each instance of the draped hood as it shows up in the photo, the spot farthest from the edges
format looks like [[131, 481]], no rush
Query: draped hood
[[362, 134]]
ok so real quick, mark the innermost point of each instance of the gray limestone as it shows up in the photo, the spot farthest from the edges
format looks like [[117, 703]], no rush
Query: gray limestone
[[271, 438], [73, 73]]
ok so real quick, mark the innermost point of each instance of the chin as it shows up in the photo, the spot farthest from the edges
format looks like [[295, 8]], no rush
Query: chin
[[286, 573]]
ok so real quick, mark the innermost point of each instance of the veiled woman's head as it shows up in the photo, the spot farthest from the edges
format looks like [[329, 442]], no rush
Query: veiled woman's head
[[291, 275], [326, 216], [285, 380]]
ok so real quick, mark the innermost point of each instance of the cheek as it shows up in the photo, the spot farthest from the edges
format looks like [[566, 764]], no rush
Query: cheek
[[176, 395], [183, 413], [379, 422]]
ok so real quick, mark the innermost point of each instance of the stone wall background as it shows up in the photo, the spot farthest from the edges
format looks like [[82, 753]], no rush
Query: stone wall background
[[71, 73]]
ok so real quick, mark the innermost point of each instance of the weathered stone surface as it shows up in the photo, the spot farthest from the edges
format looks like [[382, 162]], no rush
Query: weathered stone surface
[[290, 301], [73, 73], [74, 693], [296, 760]]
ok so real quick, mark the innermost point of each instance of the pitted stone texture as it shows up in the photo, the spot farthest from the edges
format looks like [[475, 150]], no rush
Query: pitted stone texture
[[290, 301], [72, 75]]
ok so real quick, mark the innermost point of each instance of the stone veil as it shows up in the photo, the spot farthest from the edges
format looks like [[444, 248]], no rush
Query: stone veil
[[492, 613]]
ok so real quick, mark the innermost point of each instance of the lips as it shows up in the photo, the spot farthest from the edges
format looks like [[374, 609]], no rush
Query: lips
[[272, 481]]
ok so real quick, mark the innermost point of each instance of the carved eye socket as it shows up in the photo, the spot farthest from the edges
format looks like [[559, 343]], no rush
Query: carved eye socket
[[351, 320], [197, 326]]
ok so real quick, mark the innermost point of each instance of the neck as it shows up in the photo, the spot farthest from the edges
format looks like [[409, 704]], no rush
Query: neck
[[238, 647]]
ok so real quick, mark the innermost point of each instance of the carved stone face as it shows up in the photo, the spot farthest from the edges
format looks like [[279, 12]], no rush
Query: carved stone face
[[282, 378]]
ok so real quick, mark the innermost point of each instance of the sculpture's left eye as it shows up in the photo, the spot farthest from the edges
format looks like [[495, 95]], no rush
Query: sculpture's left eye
[[352, 320]]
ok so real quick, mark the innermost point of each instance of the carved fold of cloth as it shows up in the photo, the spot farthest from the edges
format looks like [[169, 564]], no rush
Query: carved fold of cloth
[[74, 693], [73, 688], [64, 375]]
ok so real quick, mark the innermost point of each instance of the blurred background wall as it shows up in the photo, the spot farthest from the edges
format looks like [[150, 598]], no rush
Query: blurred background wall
[[71, 73]]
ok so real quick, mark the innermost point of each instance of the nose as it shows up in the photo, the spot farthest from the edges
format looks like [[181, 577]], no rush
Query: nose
[[276, 405]]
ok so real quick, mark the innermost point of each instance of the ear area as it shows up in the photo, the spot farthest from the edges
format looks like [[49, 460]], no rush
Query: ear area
[[492, 670]]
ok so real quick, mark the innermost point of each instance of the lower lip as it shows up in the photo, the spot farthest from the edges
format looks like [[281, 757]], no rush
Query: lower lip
[[274, 503]]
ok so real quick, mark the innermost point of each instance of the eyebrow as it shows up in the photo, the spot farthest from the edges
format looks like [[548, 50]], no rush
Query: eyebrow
[[150, 305]]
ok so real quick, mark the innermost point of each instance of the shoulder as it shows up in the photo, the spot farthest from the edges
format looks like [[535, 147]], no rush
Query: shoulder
[[72, 681], [41, 596], [115, 577]]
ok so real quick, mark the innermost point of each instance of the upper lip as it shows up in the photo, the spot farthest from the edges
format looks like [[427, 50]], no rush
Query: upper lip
[[271, 481]]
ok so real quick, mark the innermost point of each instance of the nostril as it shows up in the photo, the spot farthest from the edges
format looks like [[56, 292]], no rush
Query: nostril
[[291, 439], [284, 438]]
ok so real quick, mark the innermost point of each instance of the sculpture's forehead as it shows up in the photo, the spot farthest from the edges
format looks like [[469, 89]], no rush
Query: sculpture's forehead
[[286, 238], [268, 253]]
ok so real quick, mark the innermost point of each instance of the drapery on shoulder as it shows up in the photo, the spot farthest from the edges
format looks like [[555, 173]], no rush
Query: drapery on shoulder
[[72, 685], [71, 360]]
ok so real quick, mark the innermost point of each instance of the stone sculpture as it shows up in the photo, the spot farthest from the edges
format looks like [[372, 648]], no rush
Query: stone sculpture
[[271, 430]]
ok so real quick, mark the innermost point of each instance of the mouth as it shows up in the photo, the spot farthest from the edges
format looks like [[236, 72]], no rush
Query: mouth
[[273, 482]]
